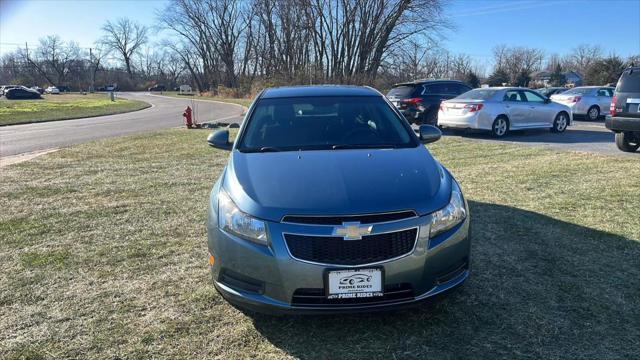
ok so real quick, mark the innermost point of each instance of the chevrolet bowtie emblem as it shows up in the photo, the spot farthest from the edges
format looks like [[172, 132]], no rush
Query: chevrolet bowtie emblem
[[352, 230]]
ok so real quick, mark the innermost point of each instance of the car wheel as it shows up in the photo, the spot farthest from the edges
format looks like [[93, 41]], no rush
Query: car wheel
[[594, 113], [560, 123], [500, 126], [627, 141], [351, 282]]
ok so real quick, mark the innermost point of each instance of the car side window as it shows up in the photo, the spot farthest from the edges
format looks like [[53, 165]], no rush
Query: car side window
[[533, 97], [512, 95], [604, 92]]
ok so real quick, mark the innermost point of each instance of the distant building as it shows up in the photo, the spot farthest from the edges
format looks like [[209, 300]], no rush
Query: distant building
[[542, 78], [573, 78]]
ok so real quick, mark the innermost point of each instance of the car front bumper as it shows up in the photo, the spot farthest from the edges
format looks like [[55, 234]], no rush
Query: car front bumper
[[266, 279]]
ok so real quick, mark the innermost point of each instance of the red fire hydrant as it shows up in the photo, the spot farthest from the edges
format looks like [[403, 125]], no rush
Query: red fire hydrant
[[187, 117]]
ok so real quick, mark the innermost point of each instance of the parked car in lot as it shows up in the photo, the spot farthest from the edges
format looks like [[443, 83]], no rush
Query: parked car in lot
[[38, 89], [52, 90], [420, 100], [158, 88], [63, 88], [551, 91], [21, 92], [502, 109], [588, 101], [328, 184], [4, 88], [624, 117]]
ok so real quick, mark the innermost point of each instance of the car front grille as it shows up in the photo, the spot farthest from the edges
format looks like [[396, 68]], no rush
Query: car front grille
[[317, 297], [337, 251], [338, 220]]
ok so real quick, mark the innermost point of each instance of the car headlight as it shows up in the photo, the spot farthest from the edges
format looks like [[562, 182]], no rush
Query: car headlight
[[451, 215], [234, 221]]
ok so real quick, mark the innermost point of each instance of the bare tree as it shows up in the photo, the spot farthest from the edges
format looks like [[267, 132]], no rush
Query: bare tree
[[125, 37], [582, 57], [517, 62]]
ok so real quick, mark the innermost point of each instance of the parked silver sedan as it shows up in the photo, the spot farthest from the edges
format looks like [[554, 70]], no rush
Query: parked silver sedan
[[589, 101], [501, 109]]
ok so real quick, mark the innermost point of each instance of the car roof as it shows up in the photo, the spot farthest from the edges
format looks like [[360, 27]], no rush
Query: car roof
[[318, 90], [428, 81]]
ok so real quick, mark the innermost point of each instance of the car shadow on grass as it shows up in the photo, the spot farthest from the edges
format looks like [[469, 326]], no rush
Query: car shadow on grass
[[539, 288]]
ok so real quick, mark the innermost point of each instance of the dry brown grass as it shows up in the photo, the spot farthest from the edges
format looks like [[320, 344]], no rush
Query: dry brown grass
[[103, 255]]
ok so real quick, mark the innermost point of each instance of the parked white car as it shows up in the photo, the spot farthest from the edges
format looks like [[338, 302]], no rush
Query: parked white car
[[185, 89], [52, 90], [501, 109], [589, 101]]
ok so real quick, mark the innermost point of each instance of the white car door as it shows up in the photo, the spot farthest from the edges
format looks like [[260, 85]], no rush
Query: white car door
[[540, 114]]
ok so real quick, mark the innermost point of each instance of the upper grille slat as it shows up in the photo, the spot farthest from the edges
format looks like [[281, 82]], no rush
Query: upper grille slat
[[336, 250], [338, 220]]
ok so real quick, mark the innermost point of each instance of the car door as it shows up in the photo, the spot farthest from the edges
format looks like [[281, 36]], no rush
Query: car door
[[515, 107], [604, 96], [540, 112]]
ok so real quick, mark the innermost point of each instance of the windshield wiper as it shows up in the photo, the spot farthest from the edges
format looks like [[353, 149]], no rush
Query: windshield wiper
[[262, 149], [363, 146]]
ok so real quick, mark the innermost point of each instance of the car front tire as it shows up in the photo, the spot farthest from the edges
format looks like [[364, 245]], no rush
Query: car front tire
[[628, 141], [500, 127], [560, 123]]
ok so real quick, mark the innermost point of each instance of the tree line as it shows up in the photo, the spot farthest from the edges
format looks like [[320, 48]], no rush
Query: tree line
[[242, 46]]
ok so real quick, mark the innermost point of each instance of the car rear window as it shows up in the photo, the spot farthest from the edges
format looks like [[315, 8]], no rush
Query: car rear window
[[402, 91], [318, 123], [578, 91], [629, 82], [477, 94]]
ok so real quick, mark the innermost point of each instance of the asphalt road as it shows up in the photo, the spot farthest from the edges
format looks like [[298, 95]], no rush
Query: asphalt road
[[165, 112], [583, 136]]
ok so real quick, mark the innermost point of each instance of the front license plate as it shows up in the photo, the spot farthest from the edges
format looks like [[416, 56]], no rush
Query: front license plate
[[354, 283]]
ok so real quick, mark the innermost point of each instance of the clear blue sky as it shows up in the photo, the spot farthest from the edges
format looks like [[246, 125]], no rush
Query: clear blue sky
[[553, 25]]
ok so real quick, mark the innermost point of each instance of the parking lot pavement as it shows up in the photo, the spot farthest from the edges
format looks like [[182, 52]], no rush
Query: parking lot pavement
[[583, 136]]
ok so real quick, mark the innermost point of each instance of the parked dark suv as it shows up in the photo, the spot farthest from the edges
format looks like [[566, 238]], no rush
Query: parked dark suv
[[624, 117], [419, 101]]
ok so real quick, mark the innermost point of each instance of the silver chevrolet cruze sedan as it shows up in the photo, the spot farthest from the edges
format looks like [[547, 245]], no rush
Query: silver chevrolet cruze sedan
[[502, 109]]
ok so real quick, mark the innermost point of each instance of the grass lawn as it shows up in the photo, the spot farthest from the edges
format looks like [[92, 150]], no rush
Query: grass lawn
[[195, 95], [103, 255], [63, 107]]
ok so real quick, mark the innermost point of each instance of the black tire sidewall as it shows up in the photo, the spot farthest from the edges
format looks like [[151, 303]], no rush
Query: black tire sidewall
[[493, 127], [589, 111], [555, 123], [622, 142]]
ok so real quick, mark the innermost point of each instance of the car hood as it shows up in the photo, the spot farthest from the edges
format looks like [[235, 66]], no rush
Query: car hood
[[336, 182]]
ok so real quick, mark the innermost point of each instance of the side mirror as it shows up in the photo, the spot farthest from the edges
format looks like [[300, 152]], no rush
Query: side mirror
[[547, 100], [429, 134], [220, 140]]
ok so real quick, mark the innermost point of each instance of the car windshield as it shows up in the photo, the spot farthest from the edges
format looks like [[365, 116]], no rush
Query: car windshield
[[578, 91], [477, 94], [629, 82], [401, 91], [316, 123]]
